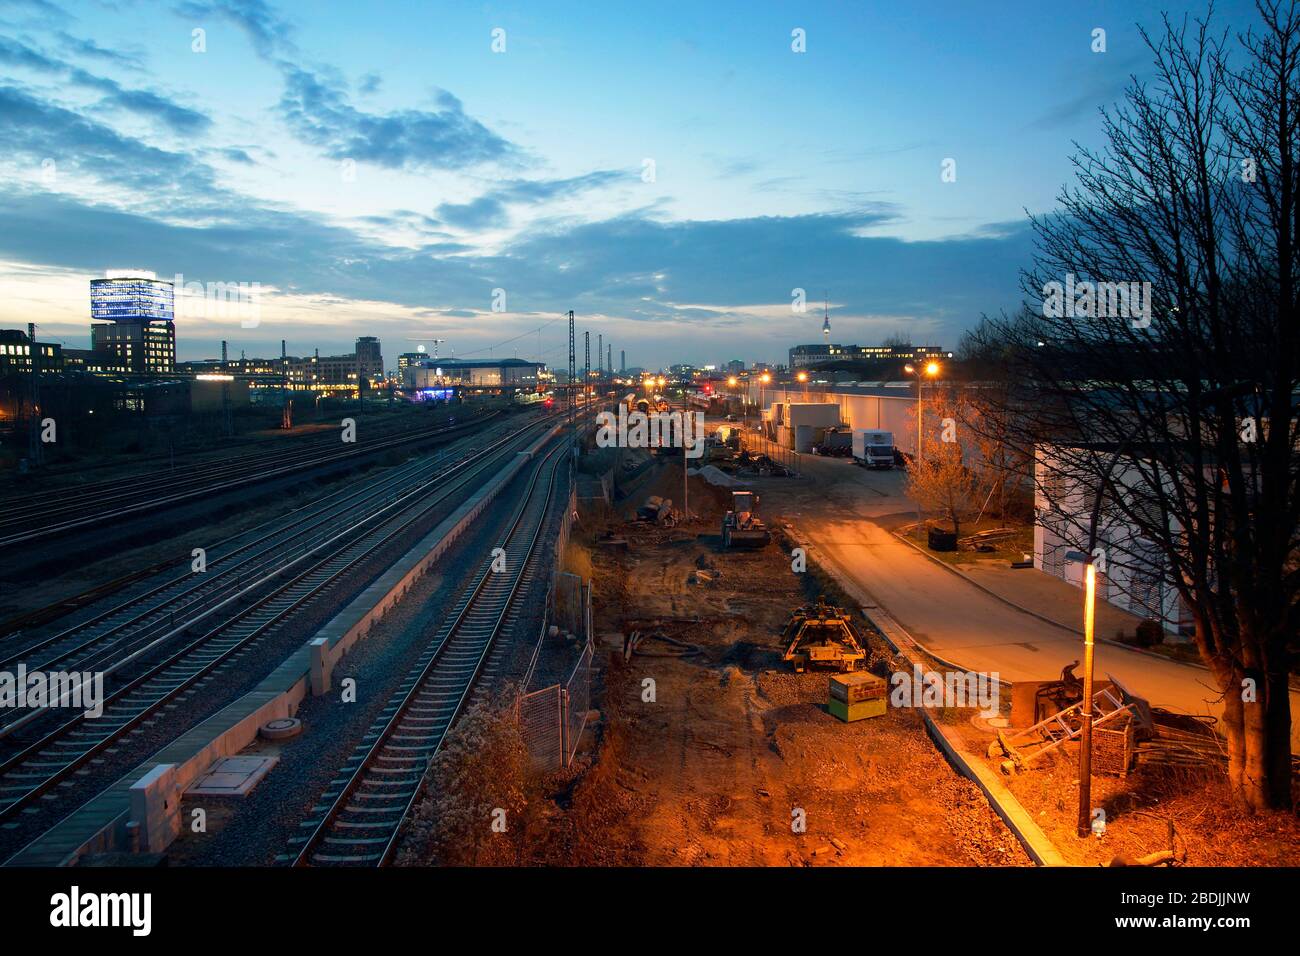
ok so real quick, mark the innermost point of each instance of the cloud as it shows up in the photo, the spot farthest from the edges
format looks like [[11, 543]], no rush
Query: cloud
[[319, 113], [269, 34], [37, 130], [489, 211], [146, 103], [89, 49]]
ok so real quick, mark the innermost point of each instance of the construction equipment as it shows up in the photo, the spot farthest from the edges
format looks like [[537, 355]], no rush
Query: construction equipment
[[741, 526], [856, 696], [822, 635]]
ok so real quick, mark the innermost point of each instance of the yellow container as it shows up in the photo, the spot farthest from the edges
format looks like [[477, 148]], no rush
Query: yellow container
[[859, 711], [857, 686]]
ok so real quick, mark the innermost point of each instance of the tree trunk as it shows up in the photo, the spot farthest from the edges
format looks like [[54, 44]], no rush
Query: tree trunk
[[1277, 758]]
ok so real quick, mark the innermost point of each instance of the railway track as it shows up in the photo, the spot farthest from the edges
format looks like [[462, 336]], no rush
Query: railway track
[[361, 815], [42, 515], [32, 768], [236, 566]]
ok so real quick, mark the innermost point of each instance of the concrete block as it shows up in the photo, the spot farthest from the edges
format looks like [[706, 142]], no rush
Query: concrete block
[[156, 807], [321, 667]]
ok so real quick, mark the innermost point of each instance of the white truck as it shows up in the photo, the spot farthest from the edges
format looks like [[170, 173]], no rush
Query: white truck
[[873, 449]]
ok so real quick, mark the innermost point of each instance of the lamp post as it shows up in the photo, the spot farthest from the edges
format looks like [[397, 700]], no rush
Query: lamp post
[[1085, 738], [931, 369], [802, 376]]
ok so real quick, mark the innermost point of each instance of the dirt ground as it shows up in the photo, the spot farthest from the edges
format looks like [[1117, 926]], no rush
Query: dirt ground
[[709, 751], [1207, 829]]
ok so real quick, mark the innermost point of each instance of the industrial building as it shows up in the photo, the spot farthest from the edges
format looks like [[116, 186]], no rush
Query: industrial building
[[16, 354], [884, 406], [803, 356], [501, 373], [1134, 576]]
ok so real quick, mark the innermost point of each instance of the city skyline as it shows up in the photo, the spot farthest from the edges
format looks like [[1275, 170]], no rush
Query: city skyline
[[671, 176]]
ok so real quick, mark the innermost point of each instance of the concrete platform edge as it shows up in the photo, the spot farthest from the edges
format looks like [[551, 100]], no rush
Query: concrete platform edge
[[99, 824]]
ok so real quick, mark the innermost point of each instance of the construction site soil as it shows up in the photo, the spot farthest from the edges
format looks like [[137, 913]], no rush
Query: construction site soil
[[707, 749]]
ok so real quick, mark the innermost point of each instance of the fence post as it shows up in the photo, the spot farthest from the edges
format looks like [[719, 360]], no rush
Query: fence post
[[564, 726]]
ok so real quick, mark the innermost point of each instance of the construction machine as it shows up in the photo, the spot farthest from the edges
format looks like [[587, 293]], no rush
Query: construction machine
[[741, 526], [822, 635]]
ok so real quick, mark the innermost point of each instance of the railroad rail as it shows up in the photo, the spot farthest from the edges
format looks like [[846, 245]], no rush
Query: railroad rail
[[35, 768], [46, 514], [237, 565], [368, 801]]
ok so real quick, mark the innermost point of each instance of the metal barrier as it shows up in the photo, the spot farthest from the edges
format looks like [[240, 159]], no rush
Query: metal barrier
[[576, 702], [541, 724], [551, 720], [755, 442]]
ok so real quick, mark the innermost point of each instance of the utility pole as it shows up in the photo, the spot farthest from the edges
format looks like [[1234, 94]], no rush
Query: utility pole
[[600, 352], [609, 360], [586, 367], [572, 374], [286, 403], [33, 437]]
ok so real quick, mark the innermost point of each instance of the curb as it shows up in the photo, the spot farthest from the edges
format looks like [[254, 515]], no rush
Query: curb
[[1042, 617], [1022, 826]]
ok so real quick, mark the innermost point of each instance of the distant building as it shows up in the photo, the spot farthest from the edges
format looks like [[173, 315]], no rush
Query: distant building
[[370, 360], [802, 356], [735, 367], [503, 373], [139, 334], [407, 359], [16, 354]]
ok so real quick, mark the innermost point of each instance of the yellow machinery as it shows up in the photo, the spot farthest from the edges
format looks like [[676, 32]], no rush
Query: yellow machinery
[[821, 635], [741, 526]]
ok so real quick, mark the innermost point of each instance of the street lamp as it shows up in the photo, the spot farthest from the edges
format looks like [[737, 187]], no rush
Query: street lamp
[[1085, 744], [931, 369], [802, 376]]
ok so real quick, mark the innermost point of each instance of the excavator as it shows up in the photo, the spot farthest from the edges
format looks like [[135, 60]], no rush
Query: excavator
[[741, 526]]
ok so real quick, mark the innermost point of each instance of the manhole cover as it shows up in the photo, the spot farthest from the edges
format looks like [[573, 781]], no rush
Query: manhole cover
[[281, 728]]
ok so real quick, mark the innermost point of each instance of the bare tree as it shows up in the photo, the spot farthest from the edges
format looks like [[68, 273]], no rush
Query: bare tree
[[1160, 359], [942, 479]]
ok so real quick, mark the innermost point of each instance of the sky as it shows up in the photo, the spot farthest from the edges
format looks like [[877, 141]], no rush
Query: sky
[[462, 174]]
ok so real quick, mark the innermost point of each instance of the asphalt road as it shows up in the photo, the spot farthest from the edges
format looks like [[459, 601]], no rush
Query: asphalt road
[[840, 509]]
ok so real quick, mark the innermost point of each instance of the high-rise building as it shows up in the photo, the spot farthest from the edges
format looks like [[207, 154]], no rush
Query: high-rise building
[[370, 359], [140, 332]]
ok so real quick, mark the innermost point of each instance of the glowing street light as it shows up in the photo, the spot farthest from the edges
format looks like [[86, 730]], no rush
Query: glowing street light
[[931, 369], [1085, 741], [732, 381]]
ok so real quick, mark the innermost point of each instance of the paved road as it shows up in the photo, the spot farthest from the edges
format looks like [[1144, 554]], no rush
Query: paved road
[[834, 507]]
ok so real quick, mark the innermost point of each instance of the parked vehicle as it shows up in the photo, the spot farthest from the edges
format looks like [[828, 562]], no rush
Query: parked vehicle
[[873, 449]]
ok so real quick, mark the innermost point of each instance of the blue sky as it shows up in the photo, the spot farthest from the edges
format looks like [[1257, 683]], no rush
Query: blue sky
[[379, 169]]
